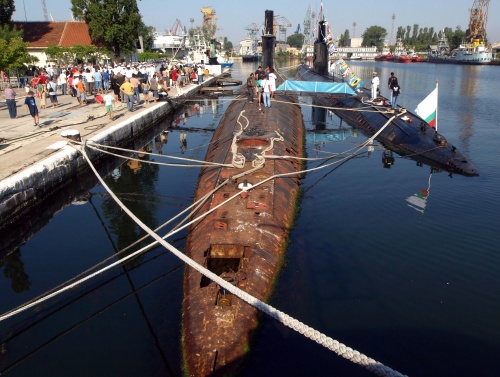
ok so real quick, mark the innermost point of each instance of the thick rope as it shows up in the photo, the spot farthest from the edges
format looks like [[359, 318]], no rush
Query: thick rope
[[342, 350]]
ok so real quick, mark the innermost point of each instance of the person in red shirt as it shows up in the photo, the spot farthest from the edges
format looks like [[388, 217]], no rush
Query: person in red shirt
[[173, 76], [43, 78]]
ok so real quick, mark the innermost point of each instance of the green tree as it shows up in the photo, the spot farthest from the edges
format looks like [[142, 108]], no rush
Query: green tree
[[344, 39], [13, 53], [147, 33], [227, 45], [82, 53], [295, 40], [7, 9], [112, 23], [374, 36], [55, 52]]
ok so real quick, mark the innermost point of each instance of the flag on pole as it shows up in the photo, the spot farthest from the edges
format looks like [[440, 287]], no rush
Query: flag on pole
[[427, 109]]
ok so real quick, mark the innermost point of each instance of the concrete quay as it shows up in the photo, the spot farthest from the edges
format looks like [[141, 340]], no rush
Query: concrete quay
[[36, 161]]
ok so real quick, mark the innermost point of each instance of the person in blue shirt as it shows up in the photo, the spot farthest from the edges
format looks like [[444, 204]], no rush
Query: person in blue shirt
[[30, 104]]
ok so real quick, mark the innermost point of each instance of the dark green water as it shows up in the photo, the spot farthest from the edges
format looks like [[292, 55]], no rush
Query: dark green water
[[416, 290]]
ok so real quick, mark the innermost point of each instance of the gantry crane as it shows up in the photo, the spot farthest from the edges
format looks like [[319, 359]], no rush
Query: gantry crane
[[176, 27], [478, 20], [253, 34], [279, 27]]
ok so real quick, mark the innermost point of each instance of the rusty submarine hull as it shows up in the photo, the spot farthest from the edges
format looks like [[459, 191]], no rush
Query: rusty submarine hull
[[242, 241]]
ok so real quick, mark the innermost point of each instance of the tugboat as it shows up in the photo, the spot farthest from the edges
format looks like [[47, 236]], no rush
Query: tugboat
[[398, 130], [246, 208]]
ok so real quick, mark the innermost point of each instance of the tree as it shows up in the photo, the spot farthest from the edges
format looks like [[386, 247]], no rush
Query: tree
[[147, 33], [374, 36], [112, 23], [295, 40], [344, 39], [7, 9], [227, 45], [13, 53]]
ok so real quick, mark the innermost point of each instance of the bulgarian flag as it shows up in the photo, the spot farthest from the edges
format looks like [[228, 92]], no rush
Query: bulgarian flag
[[427, 109]]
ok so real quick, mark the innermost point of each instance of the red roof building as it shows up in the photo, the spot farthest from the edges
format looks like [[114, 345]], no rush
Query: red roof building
[[41, 35]]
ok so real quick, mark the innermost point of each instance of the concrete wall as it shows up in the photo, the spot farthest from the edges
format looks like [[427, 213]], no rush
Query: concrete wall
[[24, 189]]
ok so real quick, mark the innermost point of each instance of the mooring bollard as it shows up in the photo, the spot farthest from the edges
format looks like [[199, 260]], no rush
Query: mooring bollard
[[72, 135]]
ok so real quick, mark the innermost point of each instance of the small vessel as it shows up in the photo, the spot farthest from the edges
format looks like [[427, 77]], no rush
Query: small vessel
[[385, 55], [404, 58], [473, 50], [227, 64]]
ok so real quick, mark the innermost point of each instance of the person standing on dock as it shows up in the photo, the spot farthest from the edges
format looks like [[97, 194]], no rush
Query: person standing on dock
[[109, 102], [30, 104], [10, 98], [153, 86], [395, 90], [375, 85], [250, 87], [128, 90]]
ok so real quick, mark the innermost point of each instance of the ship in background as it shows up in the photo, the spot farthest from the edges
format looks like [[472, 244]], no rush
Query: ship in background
[[474, 50]]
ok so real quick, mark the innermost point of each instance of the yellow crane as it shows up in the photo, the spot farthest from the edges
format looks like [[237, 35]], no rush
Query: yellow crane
[[478, 19], [209, 17]]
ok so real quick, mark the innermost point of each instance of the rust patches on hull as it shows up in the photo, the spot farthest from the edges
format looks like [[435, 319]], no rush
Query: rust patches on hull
[[243, 241]]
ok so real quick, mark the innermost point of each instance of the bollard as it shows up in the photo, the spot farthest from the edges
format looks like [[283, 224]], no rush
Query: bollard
[[71, 135]]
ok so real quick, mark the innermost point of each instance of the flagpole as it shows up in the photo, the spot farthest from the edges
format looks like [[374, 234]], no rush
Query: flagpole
[[437, 105]]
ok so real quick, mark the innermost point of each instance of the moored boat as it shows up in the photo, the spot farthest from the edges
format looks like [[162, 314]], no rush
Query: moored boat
[[474, 50], [404, 59]]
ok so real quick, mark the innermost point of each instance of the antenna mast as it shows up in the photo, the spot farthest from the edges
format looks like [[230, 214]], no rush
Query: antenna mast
[[392, 30], [45, 13]]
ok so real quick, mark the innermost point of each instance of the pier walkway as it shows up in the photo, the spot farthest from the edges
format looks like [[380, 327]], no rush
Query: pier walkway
[[35, 160], [23, 144]]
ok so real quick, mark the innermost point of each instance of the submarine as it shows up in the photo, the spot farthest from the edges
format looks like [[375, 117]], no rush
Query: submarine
[[401, 131]]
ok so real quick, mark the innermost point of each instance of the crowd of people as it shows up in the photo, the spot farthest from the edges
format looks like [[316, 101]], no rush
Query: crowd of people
[[97, 79], [126, 82], [262, 83]]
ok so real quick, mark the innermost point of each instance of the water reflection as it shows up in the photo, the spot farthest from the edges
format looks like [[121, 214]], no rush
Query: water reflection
[[13, 269]]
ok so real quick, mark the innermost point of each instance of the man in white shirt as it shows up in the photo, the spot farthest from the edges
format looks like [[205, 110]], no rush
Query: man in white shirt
[[375, 85]]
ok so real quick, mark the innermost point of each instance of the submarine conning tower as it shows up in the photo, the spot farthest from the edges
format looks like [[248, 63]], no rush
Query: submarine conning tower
[[320, 58], [268, 40]]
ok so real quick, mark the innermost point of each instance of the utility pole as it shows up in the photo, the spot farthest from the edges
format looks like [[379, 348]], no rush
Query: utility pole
[[392, 30]]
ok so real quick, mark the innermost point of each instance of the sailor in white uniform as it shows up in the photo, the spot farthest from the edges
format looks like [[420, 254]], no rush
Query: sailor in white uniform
[[375, 85]]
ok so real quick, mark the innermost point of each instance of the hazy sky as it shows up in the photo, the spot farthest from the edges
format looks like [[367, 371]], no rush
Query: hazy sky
[[234, 16]]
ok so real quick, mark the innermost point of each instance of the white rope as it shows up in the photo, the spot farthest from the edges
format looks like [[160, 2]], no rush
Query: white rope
[[333, 345], [99, 147], [327, 342]]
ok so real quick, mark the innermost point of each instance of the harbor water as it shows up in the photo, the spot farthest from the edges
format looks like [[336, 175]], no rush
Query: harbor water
[[399, 262]]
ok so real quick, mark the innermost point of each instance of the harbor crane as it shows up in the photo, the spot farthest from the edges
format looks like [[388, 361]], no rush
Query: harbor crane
[[478, 20], [253, 34], [279, 27], [297, 31], [176, 29], [309, 20], [209, 17]]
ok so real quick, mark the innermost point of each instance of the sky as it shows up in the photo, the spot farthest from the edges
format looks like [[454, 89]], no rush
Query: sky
[[234, 16]]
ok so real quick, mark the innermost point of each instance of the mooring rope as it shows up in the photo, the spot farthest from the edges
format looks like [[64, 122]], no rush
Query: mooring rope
[[342, 350], [332, 344]]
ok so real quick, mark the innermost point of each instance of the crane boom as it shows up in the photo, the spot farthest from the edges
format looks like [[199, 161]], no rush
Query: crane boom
[[478, 19]]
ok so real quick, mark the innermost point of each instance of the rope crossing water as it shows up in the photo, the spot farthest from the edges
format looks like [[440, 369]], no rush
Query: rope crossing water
[[342, 350], [322, 339]]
